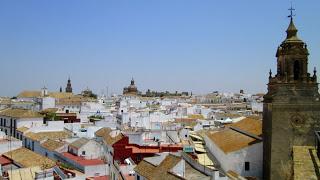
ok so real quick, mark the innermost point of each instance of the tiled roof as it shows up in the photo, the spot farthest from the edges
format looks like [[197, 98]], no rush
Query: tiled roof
[[29, 94], [23, 173], [20, 113], [4, 161], [48, 135], [34, 94], [82, 161], [162, 171], [98, 178], [229, 140], [251, 125], [59, 95], [52, 144], [79, 143], [107, 138], [22, 129], [49, 110], [74, 100], [27, 158]]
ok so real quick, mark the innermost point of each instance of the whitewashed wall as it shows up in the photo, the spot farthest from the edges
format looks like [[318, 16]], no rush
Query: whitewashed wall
[[235, 161]]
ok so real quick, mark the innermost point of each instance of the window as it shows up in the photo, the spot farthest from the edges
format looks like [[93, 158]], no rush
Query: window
[[83, 152], [186, 135], [246, 166], [296, 70], [138, 177]]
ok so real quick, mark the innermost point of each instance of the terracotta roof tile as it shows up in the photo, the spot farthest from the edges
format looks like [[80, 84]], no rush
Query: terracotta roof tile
[[162, 171], [35, 94], [82, 161], [79, 143], [22, 129], [48, 135], [107, 138], [20, 113], [251, 125], [29, 94], [229, 140], [27, 158], [52, 144]]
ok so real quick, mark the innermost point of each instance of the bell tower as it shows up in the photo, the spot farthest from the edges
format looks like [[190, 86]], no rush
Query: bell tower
[[69, 87], [291, 109]]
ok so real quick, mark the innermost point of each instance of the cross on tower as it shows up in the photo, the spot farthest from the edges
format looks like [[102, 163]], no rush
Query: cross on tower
[[291, 11]]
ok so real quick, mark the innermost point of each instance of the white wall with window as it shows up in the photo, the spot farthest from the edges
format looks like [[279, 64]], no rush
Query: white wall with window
[[247, 161]]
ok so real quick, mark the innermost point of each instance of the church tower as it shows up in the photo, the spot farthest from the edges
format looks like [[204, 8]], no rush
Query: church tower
[[69, 87], [291, 109]]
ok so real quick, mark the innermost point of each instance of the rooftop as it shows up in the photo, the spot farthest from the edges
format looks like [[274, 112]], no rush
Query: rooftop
[[23, 173], [229, 140], [29, 94], [82, 161], [28, 158], [161, 171], [98, 178], [250, 125], [4, 161], [52, 144], [35, 94], [22, 129], [105, 133], [48, 135], [20, 113], [192, 173], [305, 162], [79, 143]]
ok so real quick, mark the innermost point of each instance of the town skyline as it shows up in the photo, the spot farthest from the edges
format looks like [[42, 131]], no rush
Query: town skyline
[[163, 46]]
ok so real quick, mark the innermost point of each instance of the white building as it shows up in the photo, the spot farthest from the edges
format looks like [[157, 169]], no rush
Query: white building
[[92, 108], [89, 149], [11, 119], [238, 148]]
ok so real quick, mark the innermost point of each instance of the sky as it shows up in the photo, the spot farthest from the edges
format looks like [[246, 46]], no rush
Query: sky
[[184, 45]]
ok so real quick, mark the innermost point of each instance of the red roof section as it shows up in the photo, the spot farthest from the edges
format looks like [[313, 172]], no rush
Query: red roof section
[[150, 149], [98, 178], [128, 177], [4, 161], [82, 161]]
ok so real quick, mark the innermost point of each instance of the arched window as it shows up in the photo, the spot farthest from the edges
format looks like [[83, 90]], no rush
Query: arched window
[[296, 70]]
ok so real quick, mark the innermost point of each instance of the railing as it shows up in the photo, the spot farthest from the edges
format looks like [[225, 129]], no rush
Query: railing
[[60, 172], [44, 174], [317, 142]]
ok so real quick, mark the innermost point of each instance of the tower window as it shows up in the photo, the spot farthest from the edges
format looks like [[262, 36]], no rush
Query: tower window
[[296, 70], [246, 166]]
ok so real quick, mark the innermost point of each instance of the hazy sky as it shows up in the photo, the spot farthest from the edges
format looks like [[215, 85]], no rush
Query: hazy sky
[[184, 45]]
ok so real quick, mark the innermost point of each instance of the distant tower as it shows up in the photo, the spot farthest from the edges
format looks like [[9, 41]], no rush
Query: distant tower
[[291, 108], [131, 89], [69, 87], [44, 92]]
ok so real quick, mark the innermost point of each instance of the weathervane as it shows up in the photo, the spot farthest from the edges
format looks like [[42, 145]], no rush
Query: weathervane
[[291, 12]]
